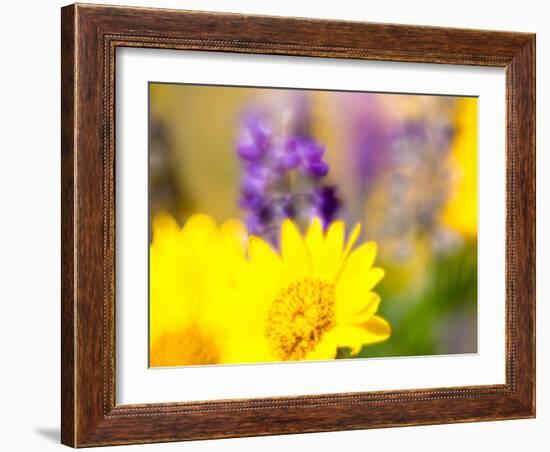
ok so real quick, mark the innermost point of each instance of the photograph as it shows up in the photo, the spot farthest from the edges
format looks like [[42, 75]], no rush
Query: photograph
[[298, 224]]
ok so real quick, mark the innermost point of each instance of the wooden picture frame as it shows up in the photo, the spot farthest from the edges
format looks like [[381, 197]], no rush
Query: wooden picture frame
[[90, 36]]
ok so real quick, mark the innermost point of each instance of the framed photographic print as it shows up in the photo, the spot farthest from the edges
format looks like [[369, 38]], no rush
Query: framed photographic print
[[281, 225]]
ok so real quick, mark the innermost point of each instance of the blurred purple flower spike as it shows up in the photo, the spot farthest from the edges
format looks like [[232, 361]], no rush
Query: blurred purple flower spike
[[289, 158], [317, 169], [326, 204], [310, 150], [254, 139], [248, 150], [254, 184], [268, 191], [312, 158], [256, 125]]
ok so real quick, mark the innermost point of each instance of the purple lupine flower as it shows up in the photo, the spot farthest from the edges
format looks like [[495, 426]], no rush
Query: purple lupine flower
[[288, 206], [326, 203], [251, 201], [289, 157], [317, 169], [310, 150], [290, 160], [257, 127], [268, 194], [254, 139], [247, 149]]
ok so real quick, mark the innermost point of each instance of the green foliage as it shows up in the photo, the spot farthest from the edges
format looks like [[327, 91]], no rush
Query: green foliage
[[426, 324]]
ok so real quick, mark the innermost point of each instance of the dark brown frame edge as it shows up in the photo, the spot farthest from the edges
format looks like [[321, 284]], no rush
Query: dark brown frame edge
[[90, 36]]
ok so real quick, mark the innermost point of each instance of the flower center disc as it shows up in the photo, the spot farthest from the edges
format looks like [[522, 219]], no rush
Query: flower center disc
[[298, 317], [189, 347]]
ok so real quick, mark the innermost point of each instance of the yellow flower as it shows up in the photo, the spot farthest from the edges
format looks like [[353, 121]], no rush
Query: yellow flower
[[460, 213], [191, 289], [309, 300]]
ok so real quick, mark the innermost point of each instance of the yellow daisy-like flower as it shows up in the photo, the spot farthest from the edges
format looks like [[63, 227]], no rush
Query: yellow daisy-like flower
[[191, 289], [312, 298]]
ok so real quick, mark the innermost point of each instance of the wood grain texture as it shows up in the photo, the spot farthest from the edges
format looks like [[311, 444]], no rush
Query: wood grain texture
[[67, 226], [90, 36]]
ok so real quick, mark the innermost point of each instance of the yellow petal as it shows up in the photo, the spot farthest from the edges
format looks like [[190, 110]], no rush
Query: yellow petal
[[314, 244], [326, 348], [349, 336], [355, 337], [262, 255], [358, 276], [259, 281], [359, 261], [330, 259], [197, 233], [357, 308], [361, 283], [164, 228], [373, 278], [314, 235], [351, 241], [233, 235], [377, 328], [293, 250]]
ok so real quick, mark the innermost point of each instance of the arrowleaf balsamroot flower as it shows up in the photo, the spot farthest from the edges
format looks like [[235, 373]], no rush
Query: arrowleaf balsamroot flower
[[311, 299], [191, 289]]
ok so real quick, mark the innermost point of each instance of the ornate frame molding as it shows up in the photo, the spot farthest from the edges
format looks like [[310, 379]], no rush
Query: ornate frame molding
[[90, 37]]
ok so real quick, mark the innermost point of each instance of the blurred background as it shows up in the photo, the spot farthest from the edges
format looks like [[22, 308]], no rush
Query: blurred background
[[404, 166]]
